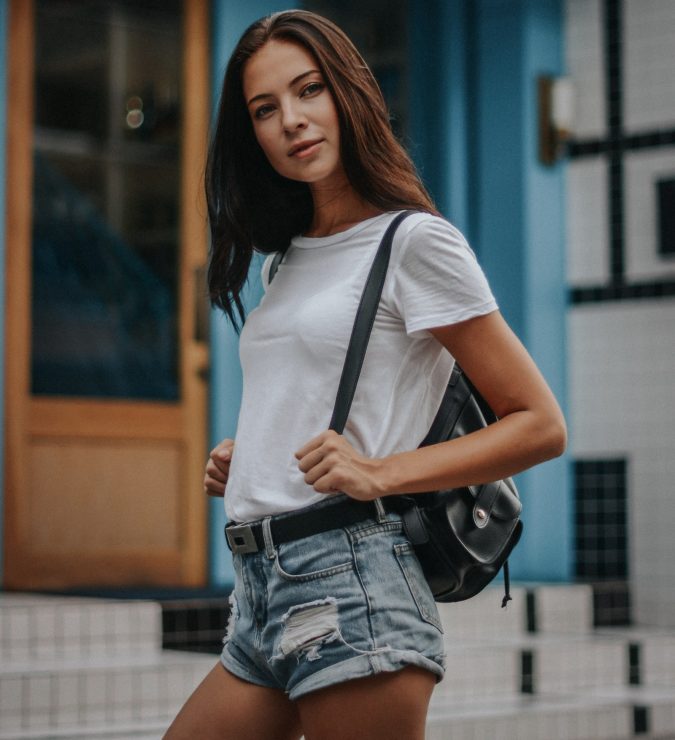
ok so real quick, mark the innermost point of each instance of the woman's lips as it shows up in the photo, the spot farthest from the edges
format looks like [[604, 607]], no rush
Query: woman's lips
[[305, 149]]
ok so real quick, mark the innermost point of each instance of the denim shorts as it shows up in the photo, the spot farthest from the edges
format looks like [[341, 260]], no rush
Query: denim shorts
[[331, 607]]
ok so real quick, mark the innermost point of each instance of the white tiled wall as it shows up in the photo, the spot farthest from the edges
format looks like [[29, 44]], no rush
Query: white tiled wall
[[642, 170], [622, 354], [583, 26], [622, 394], [587, 229], [649, 62]]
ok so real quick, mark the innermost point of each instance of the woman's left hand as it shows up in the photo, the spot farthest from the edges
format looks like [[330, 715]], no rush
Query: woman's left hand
[[332, 465]]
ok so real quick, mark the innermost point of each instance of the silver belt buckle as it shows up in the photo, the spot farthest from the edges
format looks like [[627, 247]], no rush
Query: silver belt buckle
[[240, 539]]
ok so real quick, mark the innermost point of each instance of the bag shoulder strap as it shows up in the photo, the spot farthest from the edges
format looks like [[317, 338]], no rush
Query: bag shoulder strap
[[358, 343], [363, 325], [274, 266]]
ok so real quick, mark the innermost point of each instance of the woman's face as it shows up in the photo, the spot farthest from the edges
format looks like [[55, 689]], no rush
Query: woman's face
[[294, 117]]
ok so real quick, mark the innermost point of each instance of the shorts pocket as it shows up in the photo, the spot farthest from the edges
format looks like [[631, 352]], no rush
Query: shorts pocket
[[311, 558], [420, 591]]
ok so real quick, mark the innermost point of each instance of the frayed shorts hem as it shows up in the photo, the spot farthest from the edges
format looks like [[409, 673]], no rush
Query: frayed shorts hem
[[360, 666], [232, 665]]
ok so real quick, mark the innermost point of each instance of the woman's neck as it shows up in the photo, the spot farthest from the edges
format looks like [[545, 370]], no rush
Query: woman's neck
[[337, 207]]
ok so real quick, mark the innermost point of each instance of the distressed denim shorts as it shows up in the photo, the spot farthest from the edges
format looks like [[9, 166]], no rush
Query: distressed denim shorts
[[331, 607]]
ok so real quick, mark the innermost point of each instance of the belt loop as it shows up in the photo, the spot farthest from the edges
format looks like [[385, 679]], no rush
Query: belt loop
[[267, 537], [381, 513]]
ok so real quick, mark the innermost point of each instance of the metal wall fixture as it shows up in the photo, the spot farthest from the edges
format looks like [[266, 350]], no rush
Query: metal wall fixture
[[556, 114]]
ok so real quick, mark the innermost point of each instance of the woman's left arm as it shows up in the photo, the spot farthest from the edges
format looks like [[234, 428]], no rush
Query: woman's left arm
[[530, 430]]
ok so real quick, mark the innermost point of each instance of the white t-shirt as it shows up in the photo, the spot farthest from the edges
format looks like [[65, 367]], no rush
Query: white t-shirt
[[293, 345]]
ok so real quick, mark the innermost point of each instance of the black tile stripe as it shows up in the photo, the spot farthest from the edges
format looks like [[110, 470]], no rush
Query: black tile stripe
[[634, 661], [611, 603], [587, 148], [641, 720], [614, 110], [531, 611], [649, 139], [612, 10], [527, 672], [665, 206], [655, 139], [623, 292]]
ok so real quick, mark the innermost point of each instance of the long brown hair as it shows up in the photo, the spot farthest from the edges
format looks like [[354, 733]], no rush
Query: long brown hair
[[250, 205]]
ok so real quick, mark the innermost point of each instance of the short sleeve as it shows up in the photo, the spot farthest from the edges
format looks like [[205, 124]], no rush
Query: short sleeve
[[435, 277]]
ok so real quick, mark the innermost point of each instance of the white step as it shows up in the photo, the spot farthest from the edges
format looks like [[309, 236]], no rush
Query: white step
[[657, 652], [558, 663], [36, 627], [581, 662], [482, 616], [659, 702], [604, 714], [557, 609], [563, 608], [140, 730], [110, 691], [530, 718]]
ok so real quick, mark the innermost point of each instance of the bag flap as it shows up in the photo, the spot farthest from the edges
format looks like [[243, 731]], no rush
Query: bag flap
[[506, 504]]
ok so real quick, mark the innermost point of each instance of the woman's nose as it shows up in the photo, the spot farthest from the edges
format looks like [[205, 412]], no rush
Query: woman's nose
[[293, 118]]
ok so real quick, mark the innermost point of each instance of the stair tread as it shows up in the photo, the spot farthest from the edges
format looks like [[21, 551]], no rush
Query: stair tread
[[29, 599], [139, 730], [443, 707], [97, 662], [534, 641]]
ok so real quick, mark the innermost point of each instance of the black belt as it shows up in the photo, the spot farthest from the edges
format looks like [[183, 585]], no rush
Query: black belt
[[245, 538]]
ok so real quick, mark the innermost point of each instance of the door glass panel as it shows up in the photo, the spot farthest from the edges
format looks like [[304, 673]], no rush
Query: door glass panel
[[106, 198]]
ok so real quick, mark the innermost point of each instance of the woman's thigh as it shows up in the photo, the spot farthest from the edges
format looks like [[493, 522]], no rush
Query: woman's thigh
[[379, 707], [224, 707]]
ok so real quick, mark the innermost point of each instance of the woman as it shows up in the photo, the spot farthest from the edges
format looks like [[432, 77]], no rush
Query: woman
[[334, 633]]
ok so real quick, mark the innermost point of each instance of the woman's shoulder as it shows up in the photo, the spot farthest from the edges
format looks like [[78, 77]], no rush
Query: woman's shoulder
[[422, 233]]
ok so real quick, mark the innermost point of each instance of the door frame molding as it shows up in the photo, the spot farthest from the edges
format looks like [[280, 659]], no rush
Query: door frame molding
[[20, 68]]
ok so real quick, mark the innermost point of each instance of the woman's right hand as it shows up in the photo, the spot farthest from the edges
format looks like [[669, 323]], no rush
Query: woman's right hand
[[218, 468]]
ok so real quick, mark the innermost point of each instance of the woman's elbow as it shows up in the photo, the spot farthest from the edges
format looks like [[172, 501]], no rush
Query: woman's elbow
[[554, 440]]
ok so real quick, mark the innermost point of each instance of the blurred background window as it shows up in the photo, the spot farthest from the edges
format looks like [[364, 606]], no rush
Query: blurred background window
[[106, 198]]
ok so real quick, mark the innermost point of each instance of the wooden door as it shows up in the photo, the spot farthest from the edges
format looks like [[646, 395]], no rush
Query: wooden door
[[105, 395]]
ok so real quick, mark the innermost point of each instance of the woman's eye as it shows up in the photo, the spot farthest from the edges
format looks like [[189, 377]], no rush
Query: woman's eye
[[262, 111], [312, 88]]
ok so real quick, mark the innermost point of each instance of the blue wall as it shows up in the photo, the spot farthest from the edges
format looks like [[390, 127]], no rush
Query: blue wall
[[438, 102], [519, 232], [229, 19], [474, 128], [4, 38]]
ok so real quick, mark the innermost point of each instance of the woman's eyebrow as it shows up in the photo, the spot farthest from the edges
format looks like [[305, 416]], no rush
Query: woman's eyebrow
[[290, 84]]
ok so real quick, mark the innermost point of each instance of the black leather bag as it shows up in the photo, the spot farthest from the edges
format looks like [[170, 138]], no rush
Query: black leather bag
[[462, 536]]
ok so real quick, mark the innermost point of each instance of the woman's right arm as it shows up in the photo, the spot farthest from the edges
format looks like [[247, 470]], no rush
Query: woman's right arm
[[218, 468]]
